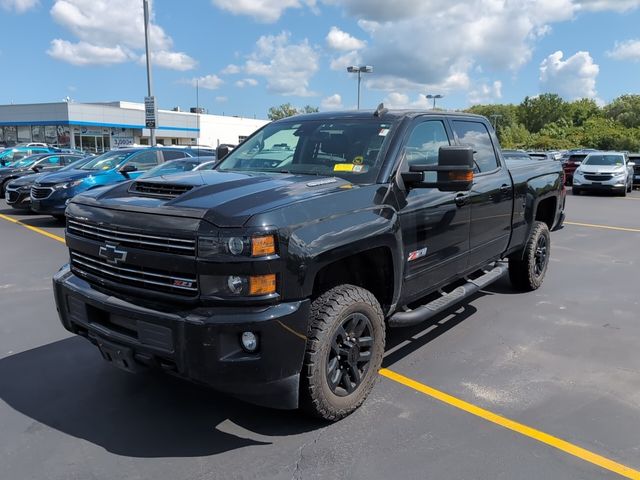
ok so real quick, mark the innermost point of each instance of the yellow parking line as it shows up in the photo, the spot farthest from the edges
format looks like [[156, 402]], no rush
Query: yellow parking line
[[33, 229], [606, 227], [545, 438]]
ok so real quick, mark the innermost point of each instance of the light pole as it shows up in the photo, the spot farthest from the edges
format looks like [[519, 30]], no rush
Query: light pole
[[495, 118], [434, 97], [145, 5], [360, 70]]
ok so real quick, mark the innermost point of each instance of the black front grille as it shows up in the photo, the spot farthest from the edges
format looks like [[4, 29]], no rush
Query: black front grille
[[164, 190], [600, 177], [134, 275], [40, 193], [130, 238]]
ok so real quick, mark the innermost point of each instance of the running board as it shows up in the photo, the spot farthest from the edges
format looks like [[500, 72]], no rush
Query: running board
[[425, 312]]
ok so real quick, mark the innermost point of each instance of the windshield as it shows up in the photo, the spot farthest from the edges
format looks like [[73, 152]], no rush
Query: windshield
[[608, 160], [175, 166], [107, 161], [348, 148], [77, 164]]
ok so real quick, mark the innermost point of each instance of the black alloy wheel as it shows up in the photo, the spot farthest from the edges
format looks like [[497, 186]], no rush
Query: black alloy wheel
[[540, 256], [350, 354]]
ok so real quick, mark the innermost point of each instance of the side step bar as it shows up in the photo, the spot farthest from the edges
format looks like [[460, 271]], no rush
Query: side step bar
[[425, 312]]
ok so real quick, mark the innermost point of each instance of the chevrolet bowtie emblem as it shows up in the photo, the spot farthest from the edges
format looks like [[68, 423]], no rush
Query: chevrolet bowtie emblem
[[112, 255]]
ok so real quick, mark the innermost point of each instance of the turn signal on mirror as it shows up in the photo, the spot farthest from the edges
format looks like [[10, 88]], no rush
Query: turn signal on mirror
[[466, 176]]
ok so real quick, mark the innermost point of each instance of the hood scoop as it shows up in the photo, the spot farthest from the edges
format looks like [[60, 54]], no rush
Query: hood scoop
[[159, 190]]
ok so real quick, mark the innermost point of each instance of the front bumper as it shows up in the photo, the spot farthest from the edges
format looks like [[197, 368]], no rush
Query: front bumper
[[18, 199], [603, 185], [202, 344]]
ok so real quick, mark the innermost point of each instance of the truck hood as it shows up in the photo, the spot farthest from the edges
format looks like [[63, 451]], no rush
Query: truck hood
[[226, 199]]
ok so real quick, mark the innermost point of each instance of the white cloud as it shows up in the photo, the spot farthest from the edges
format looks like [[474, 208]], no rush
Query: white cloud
[[401, 100], [486, 93], [343, 61], [246, 82], [627, 50], [339, 40], [221, 99], [615, 5], [119, 25], [263, 11], [210, 82], [287, 67], [572, 78], [230, 69], [332, 102], [18, 6], [83, 53]]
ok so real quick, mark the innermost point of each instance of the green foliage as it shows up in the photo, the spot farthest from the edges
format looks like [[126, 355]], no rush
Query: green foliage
[[287, 110], [547, 122]]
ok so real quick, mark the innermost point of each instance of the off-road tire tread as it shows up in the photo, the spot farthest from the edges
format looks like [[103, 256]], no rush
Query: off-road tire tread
[[520, 272], [325, 311]]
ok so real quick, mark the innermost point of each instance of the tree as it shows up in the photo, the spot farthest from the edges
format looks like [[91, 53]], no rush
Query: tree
[[536, 112], [625, 110], [582, 110], [287, 110]]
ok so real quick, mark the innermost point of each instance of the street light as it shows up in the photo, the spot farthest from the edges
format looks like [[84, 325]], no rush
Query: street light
[[360, 70], [434, 97], [152, 131], [495, 118]]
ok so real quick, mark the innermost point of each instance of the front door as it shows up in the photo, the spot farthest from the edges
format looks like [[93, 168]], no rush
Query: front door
[[435, 229], [491, 195]]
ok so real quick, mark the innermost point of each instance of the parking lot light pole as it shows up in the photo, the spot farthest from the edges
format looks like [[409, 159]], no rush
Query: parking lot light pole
[[360, 70], [145, 4], [434, 97]]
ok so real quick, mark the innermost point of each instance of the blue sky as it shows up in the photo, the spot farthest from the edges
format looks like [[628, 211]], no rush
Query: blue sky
[[249, 55]]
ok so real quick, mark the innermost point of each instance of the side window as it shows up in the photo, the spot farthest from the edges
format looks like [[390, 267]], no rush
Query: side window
[[476, 135], [172, 155], [425, 141], [53, 161], [145, 160]]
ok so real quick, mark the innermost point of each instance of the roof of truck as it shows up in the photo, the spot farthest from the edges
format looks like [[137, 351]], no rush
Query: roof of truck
[[388, 114]]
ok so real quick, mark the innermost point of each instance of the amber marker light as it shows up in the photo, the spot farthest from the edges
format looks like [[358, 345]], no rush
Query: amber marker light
[[263, 246], [262, 284]]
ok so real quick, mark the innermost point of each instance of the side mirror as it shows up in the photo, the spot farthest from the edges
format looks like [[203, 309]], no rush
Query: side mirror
[[36, 168], [454, 171], [222, 151], [631, 164], [128, 168]]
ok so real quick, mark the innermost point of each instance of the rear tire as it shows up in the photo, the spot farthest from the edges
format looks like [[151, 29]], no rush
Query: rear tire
[[527, 273], [344, 352]]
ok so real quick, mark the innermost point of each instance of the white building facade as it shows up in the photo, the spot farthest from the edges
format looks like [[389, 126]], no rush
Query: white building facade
[[99, 127]]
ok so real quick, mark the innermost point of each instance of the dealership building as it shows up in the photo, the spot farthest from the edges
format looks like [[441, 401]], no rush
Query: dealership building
[[98, 127]]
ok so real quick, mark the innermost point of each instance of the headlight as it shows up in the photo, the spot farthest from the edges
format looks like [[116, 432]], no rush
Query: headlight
[[619, 174], [64, 186], [236, 246], [578, 173], [229, 286]]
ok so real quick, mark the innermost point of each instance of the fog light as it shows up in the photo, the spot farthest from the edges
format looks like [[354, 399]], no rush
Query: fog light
[[249, 342], [235, 284]]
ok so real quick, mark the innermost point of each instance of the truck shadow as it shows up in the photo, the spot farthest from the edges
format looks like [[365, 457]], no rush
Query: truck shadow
[[68, 387]]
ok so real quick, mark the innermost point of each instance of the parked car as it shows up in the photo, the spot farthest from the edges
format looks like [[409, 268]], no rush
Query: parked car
[[17, 192], [542, 155], [209, 164], [42, 162], [274, 279], [175, 166], [573, 161], [635, 159], [604, 171], [50, 193], [10, 155]]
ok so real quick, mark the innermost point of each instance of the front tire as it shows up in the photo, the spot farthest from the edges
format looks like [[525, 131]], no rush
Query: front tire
[[344, 352], [576, 191], [527, 273]]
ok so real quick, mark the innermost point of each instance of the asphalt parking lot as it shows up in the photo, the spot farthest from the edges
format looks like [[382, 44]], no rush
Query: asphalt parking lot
[[508, 386]]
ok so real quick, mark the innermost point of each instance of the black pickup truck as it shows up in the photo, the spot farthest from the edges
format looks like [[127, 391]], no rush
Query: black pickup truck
[[274, 276]]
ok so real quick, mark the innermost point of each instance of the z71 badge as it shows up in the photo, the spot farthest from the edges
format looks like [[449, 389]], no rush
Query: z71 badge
[[417, 254]]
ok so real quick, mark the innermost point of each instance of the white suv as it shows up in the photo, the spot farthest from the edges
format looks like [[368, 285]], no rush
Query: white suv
[[604, 171]]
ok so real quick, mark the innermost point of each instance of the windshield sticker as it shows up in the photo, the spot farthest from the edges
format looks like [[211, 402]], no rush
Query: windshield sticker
[[358, 168], [383, 132], [343, 167], [359, 160]]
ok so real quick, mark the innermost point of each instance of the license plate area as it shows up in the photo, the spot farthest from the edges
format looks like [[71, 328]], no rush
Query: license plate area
[[118, 355]]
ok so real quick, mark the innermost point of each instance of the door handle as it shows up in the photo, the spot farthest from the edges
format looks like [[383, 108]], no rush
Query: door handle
[[504, 189], [462, 199]]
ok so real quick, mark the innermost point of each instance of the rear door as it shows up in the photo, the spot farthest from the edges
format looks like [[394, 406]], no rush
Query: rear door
[[491, 195], [435, 229]]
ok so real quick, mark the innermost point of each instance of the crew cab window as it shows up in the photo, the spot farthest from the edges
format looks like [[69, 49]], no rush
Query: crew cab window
[[144, 161], [424, 143], [476, 135], [172, 155]]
